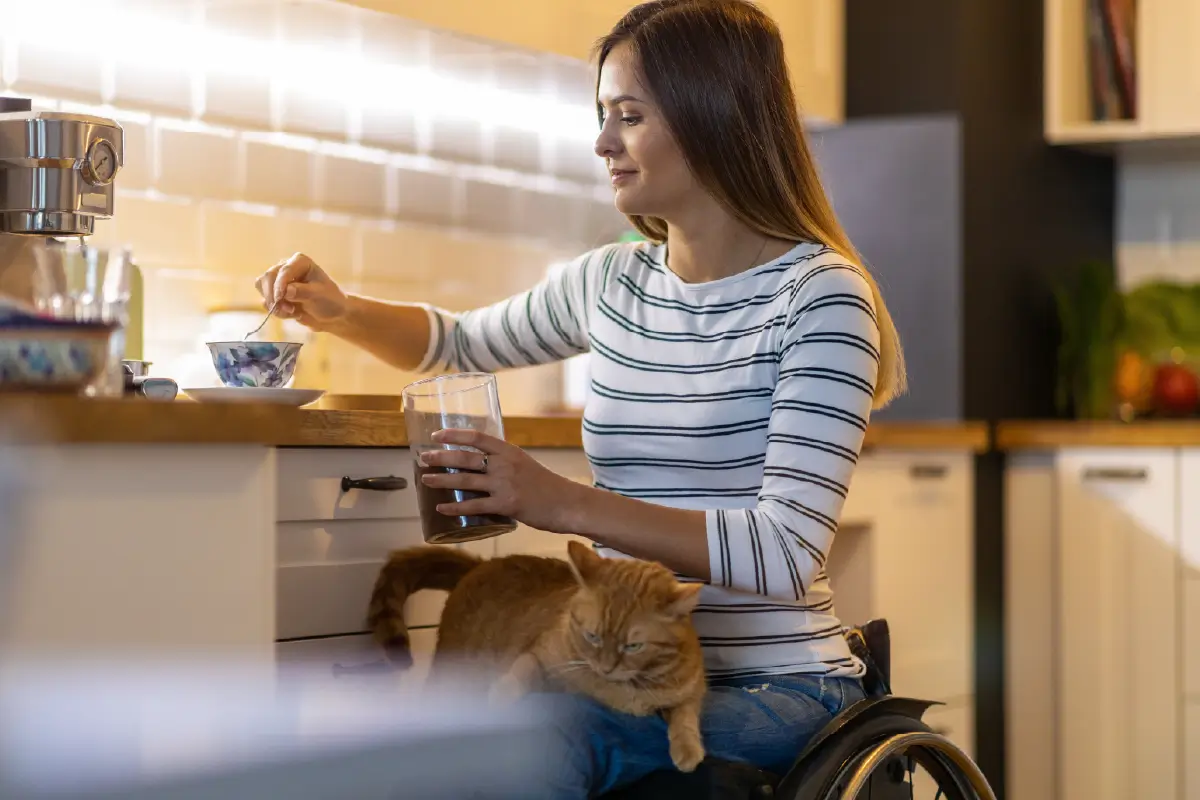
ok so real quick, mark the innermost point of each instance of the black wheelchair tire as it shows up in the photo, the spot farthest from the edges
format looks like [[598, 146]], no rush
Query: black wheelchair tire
[[821, 777]]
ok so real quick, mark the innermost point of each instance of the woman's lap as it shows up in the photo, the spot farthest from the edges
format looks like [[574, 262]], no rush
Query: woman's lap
[[764, 721]]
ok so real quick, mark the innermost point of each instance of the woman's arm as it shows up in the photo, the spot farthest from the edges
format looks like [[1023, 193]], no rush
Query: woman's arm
[[829, 362], [546, 323]]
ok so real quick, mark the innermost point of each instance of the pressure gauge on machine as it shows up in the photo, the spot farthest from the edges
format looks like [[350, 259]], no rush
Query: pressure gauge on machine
[[100, 166]]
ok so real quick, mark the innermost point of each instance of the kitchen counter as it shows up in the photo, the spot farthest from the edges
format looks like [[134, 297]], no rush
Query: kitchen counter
[[1036, 435], [69, 420]]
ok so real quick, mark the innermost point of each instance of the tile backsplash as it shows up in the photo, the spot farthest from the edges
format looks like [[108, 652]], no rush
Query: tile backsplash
[[411, 164], [1158, 218]]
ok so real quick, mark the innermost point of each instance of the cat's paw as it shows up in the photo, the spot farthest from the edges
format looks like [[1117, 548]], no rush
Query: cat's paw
[[505, 691], [687, 751]]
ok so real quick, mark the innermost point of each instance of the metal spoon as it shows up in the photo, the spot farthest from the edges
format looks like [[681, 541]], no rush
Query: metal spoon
[[270, 311]]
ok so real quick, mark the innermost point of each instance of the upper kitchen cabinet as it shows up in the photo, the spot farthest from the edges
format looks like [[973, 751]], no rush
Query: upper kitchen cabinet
[[813, 32], [1122, 73]]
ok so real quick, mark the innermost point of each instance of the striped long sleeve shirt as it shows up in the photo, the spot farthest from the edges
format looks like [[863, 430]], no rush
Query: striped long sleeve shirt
[[746, 397]]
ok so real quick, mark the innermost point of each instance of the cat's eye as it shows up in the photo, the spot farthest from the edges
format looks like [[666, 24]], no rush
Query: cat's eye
[[633, 647], [592, 639]]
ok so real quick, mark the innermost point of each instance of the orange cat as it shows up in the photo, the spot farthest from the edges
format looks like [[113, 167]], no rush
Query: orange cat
[[616, 630]]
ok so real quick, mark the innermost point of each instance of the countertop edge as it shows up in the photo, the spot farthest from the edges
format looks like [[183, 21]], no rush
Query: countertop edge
[[50, 419], [1053, 434]]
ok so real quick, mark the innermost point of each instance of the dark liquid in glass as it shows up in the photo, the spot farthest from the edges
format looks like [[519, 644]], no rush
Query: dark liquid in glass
[[438, 528]]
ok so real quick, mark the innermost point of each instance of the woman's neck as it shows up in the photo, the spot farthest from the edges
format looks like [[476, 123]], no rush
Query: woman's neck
[[715, 246]]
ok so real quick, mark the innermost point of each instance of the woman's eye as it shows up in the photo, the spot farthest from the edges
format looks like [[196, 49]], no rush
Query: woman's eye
[[633, 647], [631, 120]]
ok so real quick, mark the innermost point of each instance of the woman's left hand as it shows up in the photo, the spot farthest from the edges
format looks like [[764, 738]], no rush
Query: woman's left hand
[[514, 483]]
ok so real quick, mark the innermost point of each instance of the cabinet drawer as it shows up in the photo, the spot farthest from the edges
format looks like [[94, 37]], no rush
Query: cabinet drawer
[[350, 658], [310, 484], [327, 571]]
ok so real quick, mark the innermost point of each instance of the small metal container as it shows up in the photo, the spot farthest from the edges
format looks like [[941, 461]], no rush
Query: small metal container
[[136, 368]]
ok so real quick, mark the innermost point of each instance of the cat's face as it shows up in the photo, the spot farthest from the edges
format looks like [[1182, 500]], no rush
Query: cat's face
[[630, 619]]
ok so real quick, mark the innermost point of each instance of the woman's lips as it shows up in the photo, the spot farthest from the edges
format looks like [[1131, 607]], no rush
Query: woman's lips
[[620, 176]]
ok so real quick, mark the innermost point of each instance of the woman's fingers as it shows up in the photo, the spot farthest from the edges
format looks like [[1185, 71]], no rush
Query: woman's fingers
[[465, 481], [470, 438], [454, 459]]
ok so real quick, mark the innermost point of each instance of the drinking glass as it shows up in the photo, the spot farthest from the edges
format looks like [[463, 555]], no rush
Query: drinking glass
[[465, 400], [78, 282]]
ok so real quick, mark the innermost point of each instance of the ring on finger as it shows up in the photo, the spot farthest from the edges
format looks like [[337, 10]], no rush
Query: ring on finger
[[485, 463]]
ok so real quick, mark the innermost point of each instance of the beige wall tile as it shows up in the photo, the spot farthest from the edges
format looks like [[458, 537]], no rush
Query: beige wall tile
[[137, 171], [427, 196], [157, 87], [346, 184], [161, 232], [73, 74], [277, 175], [517, 149], [240, 244], [330, 244], [238, 99], [457, 139], [396, 252], [197, 163], [490, 207]]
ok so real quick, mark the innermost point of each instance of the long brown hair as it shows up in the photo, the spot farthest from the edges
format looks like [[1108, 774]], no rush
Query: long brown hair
[[717, 71]]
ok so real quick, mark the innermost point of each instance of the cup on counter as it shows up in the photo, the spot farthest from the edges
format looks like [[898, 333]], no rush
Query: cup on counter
[[466, 401]]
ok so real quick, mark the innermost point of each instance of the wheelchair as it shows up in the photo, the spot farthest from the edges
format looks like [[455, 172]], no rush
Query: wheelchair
[[869, 751]]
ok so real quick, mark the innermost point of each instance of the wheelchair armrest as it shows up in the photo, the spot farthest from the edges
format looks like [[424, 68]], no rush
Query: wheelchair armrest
[[871, 642]]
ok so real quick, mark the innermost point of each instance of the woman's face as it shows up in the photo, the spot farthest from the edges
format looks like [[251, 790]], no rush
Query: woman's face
[[649, 174]]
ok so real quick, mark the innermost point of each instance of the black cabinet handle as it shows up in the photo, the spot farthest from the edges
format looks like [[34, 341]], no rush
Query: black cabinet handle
[[1115, 474], [927, 471], [389, 484]]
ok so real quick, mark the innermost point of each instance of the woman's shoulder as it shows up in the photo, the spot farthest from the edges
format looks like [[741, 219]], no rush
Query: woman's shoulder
[[824, 272], [603, 264]]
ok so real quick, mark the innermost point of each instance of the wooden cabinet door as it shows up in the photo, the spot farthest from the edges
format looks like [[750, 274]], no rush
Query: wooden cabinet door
[[1117, 605], [814, 40], [813, 32], [1168, 63]]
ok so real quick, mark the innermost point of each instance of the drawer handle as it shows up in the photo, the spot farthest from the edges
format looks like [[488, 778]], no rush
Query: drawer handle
[[389, 484], [1115, 474], [932, 471]]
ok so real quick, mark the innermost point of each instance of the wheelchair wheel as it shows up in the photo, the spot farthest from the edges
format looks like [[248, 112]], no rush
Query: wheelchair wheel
[[882, 771], [955, 775]]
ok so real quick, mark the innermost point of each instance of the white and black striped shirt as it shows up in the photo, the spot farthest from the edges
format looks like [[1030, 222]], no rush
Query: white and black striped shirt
[[746, 397]]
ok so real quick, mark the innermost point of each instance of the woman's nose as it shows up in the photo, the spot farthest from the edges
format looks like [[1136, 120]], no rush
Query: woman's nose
[[607, 144]]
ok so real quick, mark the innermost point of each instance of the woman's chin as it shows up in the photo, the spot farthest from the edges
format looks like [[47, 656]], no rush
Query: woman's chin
[[627, 203]]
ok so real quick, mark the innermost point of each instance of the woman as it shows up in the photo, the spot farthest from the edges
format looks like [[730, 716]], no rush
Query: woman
[[736, 359]]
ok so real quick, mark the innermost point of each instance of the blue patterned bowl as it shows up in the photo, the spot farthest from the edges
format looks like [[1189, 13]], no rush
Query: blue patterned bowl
[[62, 358], [264, 365]]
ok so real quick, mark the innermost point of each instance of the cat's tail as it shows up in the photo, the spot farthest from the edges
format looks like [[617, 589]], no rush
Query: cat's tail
[[406, 572]]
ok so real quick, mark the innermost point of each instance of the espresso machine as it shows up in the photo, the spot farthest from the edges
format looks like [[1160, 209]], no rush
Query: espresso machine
[[57, 173]]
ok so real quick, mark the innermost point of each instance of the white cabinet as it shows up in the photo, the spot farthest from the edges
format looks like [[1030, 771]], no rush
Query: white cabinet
[[905, 552], [131, 550], [1118, 623]]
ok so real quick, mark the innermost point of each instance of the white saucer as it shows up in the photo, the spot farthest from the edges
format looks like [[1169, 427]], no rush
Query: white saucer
[[254, 394]]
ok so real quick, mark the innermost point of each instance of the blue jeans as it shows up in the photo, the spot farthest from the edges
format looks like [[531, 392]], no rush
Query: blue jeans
[[765, 721]]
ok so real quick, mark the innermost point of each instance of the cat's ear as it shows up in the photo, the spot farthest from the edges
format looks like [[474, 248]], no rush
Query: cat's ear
[[684, 601], [583, 561]]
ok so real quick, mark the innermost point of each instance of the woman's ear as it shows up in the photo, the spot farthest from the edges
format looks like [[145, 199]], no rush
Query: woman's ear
[[583, 561], [684, 601]]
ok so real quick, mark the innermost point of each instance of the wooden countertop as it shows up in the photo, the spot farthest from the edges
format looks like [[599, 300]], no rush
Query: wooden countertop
[[69, 420], [1035, 435]]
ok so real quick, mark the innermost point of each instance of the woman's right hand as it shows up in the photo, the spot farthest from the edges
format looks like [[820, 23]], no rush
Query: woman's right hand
[[304, 291]]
